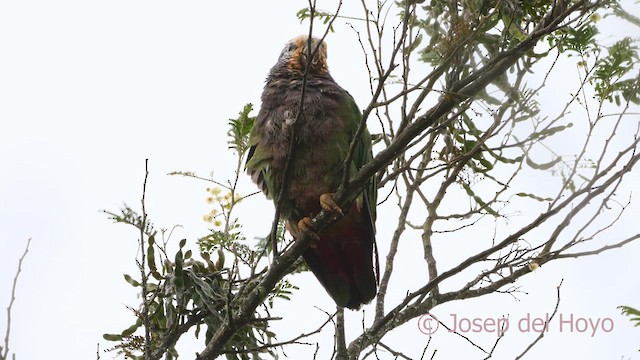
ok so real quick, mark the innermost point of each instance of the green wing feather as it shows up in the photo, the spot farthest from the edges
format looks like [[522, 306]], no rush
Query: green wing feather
[[257, 164], [363, 155]]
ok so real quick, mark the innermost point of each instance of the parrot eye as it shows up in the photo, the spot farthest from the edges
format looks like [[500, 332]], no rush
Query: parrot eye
[[287, 51]]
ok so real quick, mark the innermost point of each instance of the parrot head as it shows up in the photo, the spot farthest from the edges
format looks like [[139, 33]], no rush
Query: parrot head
[[295, 55]]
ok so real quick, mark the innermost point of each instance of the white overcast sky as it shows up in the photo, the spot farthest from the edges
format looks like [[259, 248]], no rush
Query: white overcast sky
[[89, 89]]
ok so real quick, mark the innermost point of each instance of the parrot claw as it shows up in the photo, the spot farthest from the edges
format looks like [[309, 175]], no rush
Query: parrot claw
[[328, 204], [305, 225]]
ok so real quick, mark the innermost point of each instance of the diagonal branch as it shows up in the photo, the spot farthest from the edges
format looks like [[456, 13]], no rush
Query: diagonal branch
[[3, 356], [539, 337]]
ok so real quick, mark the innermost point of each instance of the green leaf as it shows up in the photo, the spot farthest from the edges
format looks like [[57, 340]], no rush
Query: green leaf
[[151, 257], [580, 40], [178, 281], [240, 129], [487, 165], [513, 26], [170, 311], [131, 281], [521, 194], [131, 329], [220, 262], [610, 70], [550, 131], [484, 95], [414, 45], [112, 337], [323, 16], [631, 312], [130, 217], [543, 166], [209, 291], [156, 275], [178, 261], [483, 205], [159, 316]]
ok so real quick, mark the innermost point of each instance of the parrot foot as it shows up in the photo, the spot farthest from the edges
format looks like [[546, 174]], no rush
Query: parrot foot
[[328, 204], [305, 225]]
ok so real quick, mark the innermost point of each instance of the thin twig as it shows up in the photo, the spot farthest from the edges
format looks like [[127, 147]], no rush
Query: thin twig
[[295, 340], [13, 298], [143, 266], [599, 250], [546, 325]]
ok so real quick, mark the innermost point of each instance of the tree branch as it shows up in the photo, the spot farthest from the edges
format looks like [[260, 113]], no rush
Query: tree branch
[[541, 335], [341, 347], [3, 355]]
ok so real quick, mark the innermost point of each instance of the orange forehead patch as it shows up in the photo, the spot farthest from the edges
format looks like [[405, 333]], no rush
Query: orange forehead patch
[[298, 56]]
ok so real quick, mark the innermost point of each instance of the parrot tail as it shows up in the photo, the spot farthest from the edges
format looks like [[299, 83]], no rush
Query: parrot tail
[[342, 259]]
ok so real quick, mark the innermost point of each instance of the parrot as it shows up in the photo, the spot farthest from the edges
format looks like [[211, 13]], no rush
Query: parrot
[[342, 255]]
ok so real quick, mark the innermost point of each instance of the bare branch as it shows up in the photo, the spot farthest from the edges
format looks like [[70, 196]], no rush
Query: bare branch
[[3, 355], [143, 267], [341, 347], [541, 335]]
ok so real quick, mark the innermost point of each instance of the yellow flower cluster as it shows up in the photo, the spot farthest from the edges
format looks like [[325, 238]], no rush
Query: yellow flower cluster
[[211, 218], [224, 203]]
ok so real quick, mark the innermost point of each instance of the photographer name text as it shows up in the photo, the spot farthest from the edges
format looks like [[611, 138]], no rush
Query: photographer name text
[[561, 322]]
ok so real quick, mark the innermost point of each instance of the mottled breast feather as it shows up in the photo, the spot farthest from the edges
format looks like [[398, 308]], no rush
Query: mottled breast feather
[[320, 121]]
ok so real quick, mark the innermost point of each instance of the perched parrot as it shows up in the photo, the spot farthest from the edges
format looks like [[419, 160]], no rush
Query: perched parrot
[[341, 256]]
